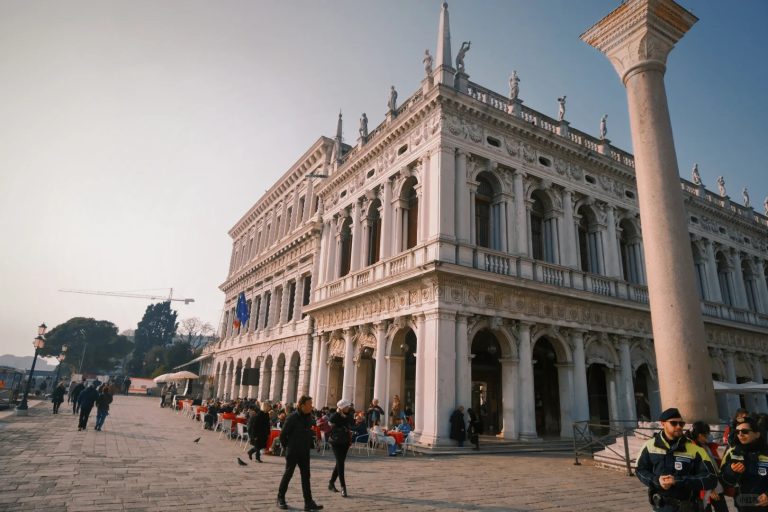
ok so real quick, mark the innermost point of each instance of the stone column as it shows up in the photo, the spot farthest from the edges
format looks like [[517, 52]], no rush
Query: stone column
[[762, 286], [437, 355], [420, 355], [760, 400], [427, 193], [236, 375], [263, 384], [357, 239], [275, 390], [379, 374], [636, 38], [322, 372], [297, 299], [740, 292], [611, 246], [521, 215], [309, 199], [332, 265], [462, 198], [570, 254], [386, 221], [730, 375], [713, 283], [315, 366], [628, 386], [510, 409], [614, 412], [348, 387], [527, 403], [580, 394], [472, 186], [463, 367]]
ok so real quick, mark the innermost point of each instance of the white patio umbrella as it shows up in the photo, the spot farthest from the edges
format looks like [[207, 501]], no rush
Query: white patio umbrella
[[182, 375], [162, 378]]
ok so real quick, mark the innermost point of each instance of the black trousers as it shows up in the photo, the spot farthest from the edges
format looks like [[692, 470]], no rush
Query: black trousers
[[290, 466], [85, 412], [340, 452], [75, 406], [56, 406]]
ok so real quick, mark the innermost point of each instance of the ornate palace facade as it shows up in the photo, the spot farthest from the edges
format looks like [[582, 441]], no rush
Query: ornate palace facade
[[470, 250]]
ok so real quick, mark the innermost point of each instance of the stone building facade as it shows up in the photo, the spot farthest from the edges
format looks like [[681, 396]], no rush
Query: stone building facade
[[470, 250]]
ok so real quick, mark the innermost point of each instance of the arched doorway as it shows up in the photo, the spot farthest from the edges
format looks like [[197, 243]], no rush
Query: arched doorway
[[546, 389], [335, 380], [597, 392], [486, 382], [365, 373], [642, 383], [402, 370]]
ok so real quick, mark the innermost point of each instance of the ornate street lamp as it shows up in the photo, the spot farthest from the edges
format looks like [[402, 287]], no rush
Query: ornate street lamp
[[39, 343]]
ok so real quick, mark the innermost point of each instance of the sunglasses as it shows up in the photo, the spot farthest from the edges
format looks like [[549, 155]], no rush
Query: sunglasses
[[743, 431], [676, 423]]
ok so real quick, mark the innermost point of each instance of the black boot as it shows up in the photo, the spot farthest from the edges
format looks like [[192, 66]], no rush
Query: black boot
[[250, 454], [344, 492], [281, 504], [332, 487], [312, 506]]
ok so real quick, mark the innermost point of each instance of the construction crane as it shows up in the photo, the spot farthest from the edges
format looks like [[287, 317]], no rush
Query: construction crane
[[169, 297]]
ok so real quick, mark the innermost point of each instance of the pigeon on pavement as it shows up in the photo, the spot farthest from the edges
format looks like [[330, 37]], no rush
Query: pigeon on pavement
[[240, 462], [196, 440]]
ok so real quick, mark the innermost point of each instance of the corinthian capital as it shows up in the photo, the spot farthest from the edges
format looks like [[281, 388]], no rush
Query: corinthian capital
[[639, 34]]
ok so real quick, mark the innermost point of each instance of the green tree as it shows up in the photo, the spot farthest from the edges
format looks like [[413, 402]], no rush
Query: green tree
[[156, 329], [94, 342]]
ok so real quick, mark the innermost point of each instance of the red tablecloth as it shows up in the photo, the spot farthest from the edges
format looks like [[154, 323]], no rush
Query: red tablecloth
[[273, 434], [316, 430], [399, 436]]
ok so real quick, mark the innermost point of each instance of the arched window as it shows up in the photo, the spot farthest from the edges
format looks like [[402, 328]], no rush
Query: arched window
[[537, 228], [410, 214], [543, 229], [750, 284], [724, 278], [346, 247], [483, 201], [374, 233], [590, 246], [631, 252]]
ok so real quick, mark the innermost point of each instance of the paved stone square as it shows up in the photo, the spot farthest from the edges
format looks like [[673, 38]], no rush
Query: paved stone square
[[145, 459]]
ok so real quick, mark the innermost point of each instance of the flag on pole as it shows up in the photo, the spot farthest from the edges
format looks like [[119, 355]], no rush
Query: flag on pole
[[241, 313]]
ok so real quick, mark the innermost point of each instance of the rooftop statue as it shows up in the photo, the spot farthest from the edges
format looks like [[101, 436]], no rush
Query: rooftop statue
[[721, 186], [364, 127], [460, 56], [561, 109], [392, 102], [695, 176], [765, 205], [427, 63], [514, 86], [745, 196], [603, 126]]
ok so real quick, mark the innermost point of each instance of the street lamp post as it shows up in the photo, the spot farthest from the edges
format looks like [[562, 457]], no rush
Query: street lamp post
[[39, 343]]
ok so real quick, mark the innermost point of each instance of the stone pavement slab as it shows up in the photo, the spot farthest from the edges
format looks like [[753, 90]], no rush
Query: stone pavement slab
[[145, 460]]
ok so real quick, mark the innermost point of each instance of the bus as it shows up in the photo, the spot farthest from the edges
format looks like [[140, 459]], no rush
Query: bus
[[10, 385]]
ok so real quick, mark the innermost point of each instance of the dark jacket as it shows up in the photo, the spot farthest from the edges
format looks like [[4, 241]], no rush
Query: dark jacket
[[341, 428], [88, 397], [258, 429], [689, 463], [458, 428], [77, 390], [374, 414], [58, 394], [103, 401], [754, 480], [296, 436]]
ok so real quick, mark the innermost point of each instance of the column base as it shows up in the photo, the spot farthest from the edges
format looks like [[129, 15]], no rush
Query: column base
[[529, 437]]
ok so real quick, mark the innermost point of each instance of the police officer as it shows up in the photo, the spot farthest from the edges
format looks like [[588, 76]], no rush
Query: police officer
[[745, 467], [674, 468]]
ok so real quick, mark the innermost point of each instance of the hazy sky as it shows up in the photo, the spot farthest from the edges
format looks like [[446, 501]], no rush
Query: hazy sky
[[134, 134]]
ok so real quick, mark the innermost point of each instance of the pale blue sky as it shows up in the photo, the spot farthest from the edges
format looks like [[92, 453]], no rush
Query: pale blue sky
[[134, 134]]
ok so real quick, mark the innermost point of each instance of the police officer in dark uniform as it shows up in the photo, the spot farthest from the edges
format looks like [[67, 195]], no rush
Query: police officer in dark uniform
[[674, 468], [296, 436]]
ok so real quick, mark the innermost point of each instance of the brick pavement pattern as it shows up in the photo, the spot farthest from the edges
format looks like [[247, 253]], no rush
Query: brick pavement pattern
[[145, 460]]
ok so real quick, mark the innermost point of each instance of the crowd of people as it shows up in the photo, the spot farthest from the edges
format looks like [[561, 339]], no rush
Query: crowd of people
[[688, 470], [84, 396]]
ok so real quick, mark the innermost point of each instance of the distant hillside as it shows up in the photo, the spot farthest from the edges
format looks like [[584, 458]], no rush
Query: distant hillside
[[24, 363]]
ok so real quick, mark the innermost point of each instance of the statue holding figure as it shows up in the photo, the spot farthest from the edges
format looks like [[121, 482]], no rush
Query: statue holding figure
[[695, 176], [514, 86], [745, 197], [364, 127], [721, 186], [561, 108], [460, 56], [427, 63], [392, 102], [603, 126]]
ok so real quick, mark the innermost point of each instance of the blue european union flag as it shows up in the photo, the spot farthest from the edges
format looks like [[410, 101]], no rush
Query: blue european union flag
[[241, 313]]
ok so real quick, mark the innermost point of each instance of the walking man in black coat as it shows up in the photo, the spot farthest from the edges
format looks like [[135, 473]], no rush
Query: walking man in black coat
[[258, 430], [296, 437], [86, 399], [75, 394]]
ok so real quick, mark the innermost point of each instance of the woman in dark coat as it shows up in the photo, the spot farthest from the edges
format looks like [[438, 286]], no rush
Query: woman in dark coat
[[102, 406], [340, 439], [458, 427], [258, 430], [473, 430], [58, 397]]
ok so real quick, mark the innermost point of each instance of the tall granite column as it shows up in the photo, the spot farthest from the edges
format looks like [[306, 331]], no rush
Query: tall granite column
[[527, 403], [581, 396], [348, 387], [379, 376], [322, 373], [637, 37]]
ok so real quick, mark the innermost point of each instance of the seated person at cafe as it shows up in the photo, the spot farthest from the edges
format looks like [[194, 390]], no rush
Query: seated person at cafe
[[210, 416], [360, 430], [402, 426], [389, 440], [280, 420]]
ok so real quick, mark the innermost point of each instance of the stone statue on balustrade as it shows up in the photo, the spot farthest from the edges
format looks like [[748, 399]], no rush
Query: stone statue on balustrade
[[364, 127], [561, 108], [603, 126], [721, 185], [514, 86], [745, 197], [695, 176], [765, 205], [427, 63], [392, 102], [460, 56]]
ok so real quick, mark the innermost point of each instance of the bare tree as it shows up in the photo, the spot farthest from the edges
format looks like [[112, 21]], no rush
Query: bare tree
[[195, 332]]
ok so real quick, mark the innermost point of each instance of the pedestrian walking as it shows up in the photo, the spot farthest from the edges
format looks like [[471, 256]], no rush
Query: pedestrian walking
[[126, 385], [296, 437], [258, 430], [340, 439], [85, 400], [102, 405], [76, 394], [474, 429], [72, 386], [458, 427], [57, 397], [674, 469], [745, 467]]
